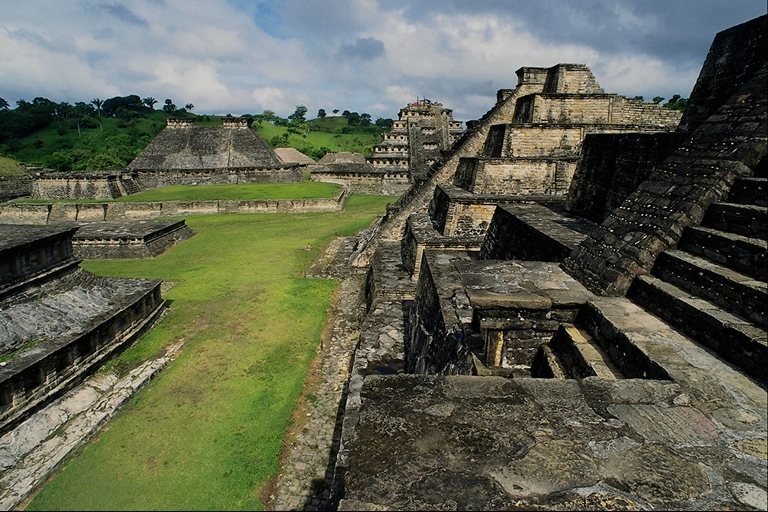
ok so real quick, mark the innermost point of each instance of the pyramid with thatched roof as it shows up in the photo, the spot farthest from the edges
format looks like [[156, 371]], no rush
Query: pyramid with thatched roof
[[181, 146]]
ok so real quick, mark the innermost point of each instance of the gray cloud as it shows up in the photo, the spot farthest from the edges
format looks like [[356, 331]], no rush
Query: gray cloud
[[122, 13], [243, 56], [364, 48]]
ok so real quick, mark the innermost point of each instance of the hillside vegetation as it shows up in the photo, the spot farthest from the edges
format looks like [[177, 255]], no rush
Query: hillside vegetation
[[10, 167], [107, 135]]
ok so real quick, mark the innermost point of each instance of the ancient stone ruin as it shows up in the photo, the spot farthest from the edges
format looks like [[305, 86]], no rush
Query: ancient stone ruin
[[232, 153], [414, 143], [59, 322], [423, 129], [354, 172], [570, 311]]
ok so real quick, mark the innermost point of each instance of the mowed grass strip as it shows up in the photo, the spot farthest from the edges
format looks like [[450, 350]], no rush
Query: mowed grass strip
[[206, 433], [245, 191]]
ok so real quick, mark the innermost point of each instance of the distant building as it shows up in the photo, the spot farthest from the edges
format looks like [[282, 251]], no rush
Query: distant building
[[423, 129]]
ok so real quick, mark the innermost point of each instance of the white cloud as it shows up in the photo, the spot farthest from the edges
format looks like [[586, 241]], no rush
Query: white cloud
[[234, 57]]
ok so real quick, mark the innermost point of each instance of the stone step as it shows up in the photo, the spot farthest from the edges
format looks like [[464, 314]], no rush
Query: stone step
[[742, 219], [627, 348], [580, 356], [546, 365], [740, 253], [749, 191], [733, 339], [732, 291]]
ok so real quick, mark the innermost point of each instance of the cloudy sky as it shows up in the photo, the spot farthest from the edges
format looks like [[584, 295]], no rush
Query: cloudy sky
[[245, 56]]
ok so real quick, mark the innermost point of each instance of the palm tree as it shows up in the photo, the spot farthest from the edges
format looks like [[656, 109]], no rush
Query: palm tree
[[150, 102], [96, 102], [189, 107]]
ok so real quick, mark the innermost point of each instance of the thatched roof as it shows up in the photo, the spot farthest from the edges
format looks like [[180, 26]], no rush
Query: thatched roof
[[293, 156]]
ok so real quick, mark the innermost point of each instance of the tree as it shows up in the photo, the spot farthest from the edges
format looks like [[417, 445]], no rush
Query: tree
[[365, 119], [150, 102], [345, 113], [169, 106], [96, 102], [384, 123], [321, 113], [189, 107], [676, 102], [353, 118], [335, 111], [298, 114], [3, 104], [658, 99]]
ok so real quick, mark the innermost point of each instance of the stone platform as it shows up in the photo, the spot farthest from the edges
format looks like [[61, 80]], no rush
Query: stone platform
[[128, 239], [59, 322]]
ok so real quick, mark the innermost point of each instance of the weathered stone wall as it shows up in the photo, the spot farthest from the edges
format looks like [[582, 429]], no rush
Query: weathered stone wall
[[730, 63], [531, 232], [75, 187], [12, 187], [435, 341], [418, 197], [569, 79], [72, 212], [612, 166], [161, 178], [729, 144], [92, 245], [30, 251], [593, 109], [523, 176], [31, 377], [376, 183]]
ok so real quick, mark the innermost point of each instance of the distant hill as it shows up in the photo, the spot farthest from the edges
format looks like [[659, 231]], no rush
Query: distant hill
[[108, 143]]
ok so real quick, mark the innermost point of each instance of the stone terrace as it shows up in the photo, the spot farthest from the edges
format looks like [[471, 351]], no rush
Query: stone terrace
[[632, 375], [57, 321]]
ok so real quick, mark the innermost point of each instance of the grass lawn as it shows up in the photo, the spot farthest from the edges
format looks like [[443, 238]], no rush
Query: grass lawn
[[303, 190], [206, 433]]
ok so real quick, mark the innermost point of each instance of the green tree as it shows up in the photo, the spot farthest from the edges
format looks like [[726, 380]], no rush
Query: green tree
[[676, 102], [321, 113], [150, 102], [4, 104], [96, 102], [169, 106], [298, 114], [384, 123], [335, 111], [189, 107], [658, 99]]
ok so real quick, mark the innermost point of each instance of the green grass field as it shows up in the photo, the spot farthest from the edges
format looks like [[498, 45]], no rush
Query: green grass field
[[206, 433], [319, 137], [304, 190]]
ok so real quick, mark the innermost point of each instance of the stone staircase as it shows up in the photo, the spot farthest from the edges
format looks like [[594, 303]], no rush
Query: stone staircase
[[129, 185], [713, 286]]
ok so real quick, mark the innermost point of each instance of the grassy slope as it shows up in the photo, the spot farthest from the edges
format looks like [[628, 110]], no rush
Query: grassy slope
[[321, 134], [36, 147], [206, 433], [50, 140], [10, 167]]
